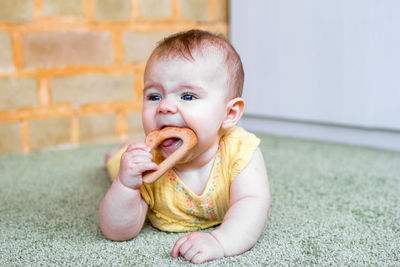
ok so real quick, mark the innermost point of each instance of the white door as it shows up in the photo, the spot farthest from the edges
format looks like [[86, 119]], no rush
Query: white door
[[333, 64]]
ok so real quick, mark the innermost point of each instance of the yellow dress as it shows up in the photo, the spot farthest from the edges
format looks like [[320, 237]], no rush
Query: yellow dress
[[173, 207]]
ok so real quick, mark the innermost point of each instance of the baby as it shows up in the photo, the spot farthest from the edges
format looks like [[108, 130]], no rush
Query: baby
[[194, 80]]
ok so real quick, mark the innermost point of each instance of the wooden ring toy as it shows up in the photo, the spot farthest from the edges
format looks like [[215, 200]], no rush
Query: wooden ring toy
[[156, 137]]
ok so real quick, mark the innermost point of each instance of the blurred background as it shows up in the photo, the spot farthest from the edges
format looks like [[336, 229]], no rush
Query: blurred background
[[71, 71], [325, 70]]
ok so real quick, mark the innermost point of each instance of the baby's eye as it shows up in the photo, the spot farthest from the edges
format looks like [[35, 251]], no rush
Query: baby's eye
[[154, 97], [188, 97]]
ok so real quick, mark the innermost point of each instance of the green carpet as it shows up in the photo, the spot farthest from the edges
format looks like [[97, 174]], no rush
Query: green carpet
[[331, 205]]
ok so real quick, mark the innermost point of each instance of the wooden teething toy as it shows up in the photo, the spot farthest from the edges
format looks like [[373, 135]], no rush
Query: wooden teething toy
[[155, 138]]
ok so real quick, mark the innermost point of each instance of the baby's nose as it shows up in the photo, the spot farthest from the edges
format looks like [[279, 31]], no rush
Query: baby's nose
[[167, 106]]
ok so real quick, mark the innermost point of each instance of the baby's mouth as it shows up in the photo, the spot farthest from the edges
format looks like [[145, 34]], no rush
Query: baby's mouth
[[170, 145], [170, 142]]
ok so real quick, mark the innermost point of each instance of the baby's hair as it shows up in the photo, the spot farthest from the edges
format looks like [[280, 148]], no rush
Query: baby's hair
[[184, 44]]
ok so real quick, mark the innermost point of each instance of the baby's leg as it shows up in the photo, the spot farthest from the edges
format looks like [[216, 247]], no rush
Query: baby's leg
[[112, 159], [110, 154]]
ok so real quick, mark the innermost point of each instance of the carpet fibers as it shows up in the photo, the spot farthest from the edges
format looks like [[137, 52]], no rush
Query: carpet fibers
[[331, 205]]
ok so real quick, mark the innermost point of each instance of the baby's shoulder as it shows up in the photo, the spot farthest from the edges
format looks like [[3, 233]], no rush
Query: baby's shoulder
[[237, 148], [239, 142]]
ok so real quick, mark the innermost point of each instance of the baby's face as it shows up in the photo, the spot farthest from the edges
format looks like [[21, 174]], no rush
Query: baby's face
[[183, 93]]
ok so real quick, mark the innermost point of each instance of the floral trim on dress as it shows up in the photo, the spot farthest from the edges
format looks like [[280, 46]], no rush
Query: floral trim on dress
[[208, 203], [207, 198]]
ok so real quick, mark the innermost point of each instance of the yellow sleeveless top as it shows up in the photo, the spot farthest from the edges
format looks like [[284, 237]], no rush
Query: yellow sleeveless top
[[173, 207]]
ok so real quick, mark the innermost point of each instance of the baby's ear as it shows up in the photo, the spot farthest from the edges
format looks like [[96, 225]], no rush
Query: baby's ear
[[235, 109]]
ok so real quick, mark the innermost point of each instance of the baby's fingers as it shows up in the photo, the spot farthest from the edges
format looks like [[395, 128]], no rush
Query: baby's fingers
[[135, 171], [147, 166], [138, 146], [137, 156], [186, 248], [177, 246], [132, 177], [200, 258], [198, 247], [191, 253]]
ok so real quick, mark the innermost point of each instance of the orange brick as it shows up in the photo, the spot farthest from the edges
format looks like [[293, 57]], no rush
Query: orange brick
[[222, 10], [16, 11], [97, 128], [92, 88], [156, 8], [47, 133], [10, 141], [60, 49], [79, 57], [62, 7], [112, 9], [16, 93], [196, 10], [135, 126], [138, 46], [6, 60]]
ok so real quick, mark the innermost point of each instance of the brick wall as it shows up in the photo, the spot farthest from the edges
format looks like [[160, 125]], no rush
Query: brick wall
[[71, 71]]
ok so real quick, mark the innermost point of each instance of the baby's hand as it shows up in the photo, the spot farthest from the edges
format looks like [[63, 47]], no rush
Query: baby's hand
[[136, 160], [198, 247]]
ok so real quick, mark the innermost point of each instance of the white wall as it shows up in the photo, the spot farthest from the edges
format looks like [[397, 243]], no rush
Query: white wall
[[327, 70]]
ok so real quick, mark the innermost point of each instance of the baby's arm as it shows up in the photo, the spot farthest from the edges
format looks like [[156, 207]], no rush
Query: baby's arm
[[243, 224], [249, 209], [122, 212]]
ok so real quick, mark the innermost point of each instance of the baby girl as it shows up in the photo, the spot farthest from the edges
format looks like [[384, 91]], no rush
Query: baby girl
[[192, 80]]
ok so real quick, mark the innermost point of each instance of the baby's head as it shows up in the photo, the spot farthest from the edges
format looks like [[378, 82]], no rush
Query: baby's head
[[194, 80], [192, 44]]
